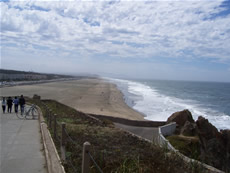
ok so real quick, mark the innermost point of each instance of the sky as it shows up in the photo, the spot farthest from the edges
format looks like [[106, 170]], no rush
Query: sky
[[175, 40]]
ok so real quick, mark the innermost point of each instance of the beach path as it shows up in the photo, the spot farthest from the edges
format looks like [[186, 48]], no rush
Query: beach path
[[144, 132], [20, 145]]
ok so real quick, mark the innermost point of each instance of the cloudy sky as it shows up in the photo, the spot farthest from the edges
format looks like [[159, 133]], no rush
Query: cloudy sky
[[179, 40]]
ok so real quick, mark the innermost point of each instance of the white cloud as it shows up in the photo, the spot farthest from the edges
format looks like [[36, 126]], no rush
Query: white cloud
[[137, 29]]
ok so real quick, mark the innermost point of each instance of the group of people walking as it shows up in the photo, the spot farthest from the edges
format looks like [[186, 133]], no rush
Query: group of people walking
[[9, 102]]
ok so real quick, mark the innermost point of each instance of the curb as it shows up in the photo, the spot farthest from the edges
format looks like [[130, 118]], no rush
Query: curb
[[53, 161]]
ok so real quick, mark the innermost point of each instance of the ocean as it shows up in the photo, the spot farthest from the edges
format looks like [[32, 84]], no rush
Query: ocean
[[158, 99]]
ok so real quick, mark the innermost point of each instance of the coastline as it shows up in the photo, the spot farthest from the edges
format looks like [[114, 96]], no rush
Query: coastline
[[157, 100], [129, 98], [92, 96]]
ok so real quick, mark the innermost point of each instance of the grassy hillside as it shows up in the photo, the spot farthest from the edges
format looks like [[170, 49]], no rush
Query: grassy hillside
[[114, 150]]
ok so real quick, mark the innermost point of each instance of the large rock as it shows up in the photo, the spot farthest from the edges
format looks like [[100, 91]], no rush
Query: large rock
[[181, 117], [215, 145], [225, 134], [206, 130], [189, 129]]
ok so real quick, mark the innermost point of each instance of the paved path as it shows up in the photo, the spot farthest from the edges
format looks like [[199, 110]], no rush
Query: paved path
[[145, 132], [20, 145]]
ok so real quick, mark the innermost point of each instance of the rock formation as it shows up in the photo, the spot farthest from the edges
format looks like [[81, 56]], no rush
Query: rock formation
[[213, 149], [181, 117], [189, 129], [214, 145]]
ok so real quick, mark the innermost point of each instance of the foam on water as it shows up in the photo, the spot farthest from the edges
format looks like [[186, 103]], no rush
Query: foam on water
[[159, 107]]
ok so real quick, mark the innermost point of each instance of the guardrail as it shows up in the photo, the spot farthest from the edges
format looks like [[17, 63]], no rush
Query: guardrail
[[138, 123], [166, 130]]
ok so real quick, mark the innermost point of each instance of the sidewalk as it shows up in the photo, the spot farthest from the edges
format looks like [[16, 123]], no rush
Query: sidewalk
[[20, 145]]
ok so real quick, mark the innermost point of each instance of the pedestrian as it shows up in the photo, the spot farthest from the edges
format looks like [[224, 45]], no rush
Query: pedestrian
[[16, 101], [22, 103], [9, 104], [3, 104]]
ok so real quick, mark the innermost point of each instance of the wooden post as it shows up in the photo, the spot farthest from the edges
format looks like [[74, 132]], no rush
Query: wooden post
[[85, 158], [55, 126], [50, 120], [63, 142], [47, 114]]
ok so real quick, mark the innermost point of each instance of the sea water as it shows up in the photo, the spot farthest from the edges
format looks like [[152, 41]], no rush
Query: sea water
[[158, 99]]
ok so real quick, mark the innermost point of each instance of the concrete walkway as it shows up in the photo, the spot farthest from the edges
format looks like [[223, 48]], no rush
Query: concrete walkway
[[20, 145], [145, 132]]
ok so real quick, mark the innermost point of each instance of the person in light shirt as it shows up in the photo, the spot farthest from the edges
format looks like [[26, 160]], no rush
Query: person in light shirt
[[16, 102], [3, 105]]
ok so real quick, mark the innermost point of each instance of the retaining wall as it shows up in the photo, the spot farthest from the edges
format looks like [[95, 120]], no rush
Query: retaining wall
[[168, 129], [145, 123], [165, 130]]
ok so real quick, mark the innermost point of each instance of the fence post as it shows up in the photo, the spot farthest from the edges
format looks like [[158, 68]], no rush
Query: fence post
[[63, 142], [85, 158], [50, 119], [55, 126], [47, 115]]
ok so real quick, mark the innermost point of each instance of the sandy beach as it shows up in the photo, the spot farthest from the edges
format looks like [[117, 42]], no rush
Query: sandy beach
[[94, 96]]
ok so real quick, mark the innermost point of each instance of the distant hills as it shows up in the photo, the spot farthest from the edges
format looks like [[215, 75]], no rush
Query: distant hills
[[15, 75]]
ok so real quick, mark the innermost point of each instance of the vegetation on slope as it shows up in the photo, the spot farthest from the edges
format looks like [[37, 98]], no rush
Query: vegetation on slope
[[189, 146], [114, 150]]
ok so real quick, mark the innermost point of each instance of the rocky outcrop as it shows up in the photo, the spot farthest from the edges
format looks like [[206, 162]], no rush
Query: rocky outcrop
[[181, 117], [214, 144], [225, 134], [206, 131], [189, 129]]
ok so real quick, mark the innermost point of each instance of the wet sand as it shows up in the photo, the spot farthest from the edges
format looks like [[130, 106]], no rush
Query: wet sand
[[94, 96]]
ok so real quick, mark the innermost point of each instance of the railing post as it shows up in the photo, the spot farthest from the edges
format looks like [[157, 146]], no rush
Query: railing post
[[50, 120], [63, 142], [55, 126], [85, 158], [47, 115]]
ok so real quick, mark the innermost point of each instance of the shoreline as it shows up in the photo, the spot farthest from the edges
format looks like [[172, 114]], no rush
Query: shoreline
[[126, 96], [92, 96], [158, 102]]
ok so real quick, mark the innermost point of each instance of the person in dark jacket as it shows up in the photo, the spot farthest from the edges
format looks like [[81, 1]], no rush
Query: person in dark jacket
[[9, 104], [22, 103]]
